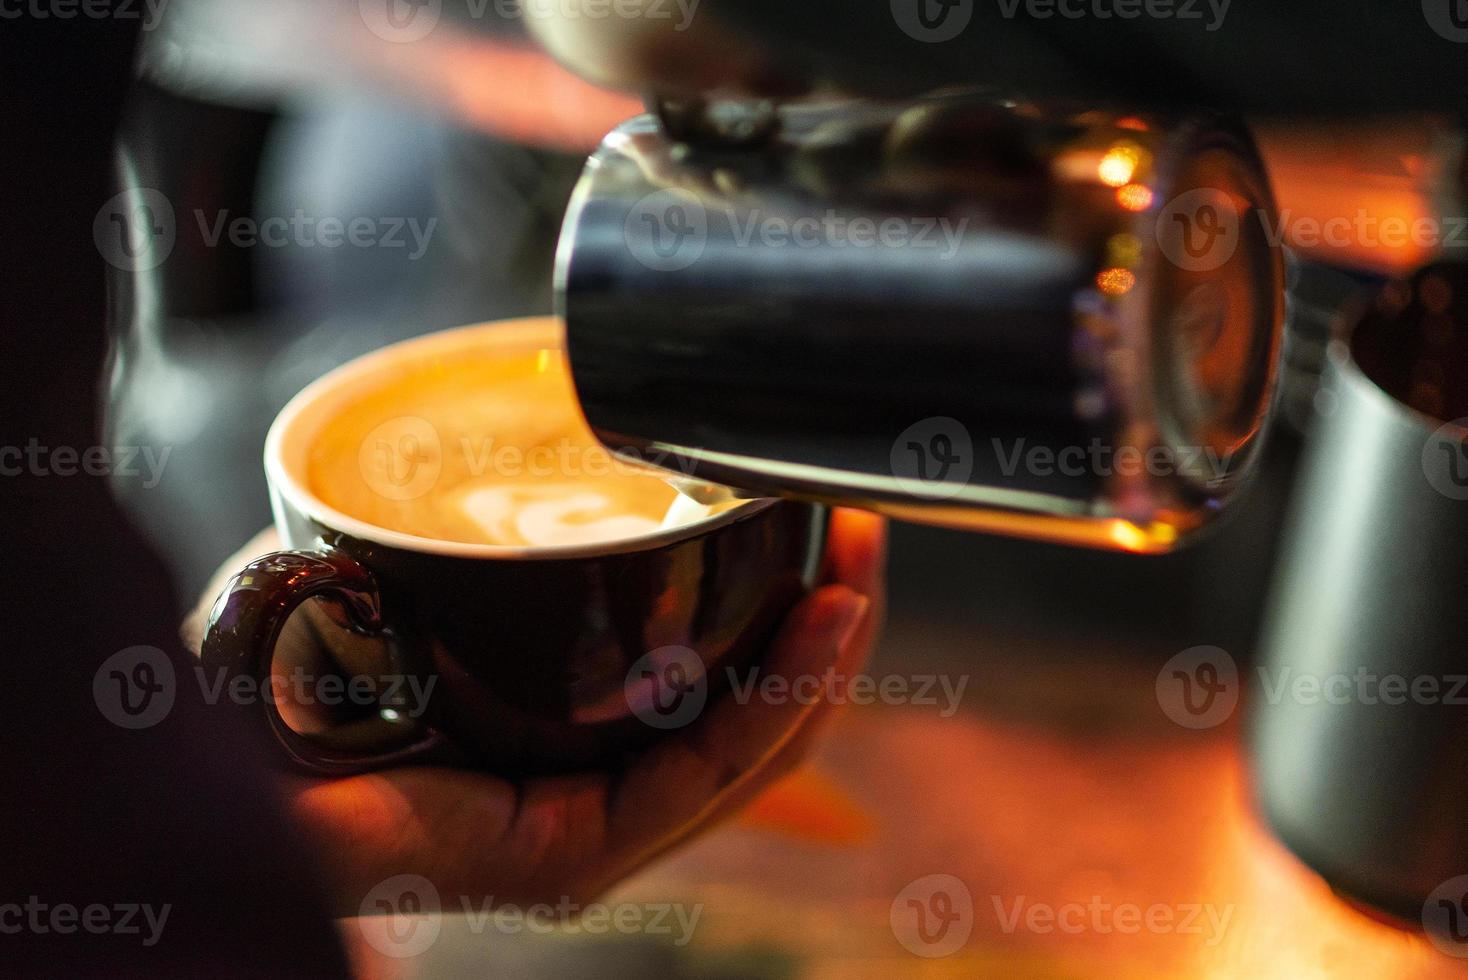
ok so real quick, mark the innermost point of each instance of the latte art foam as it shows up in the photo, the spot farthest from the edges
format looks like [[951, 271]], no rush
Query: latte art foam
[[551, 514], [486, 447]]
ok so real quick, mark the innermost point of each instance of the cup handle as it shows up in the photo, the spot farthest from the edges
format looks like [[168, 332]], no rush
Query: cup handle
[[246, 622]]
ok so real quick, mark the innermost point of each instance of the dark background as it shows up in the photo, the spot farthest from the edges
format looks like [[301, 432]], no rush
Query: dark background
[[93, 813]]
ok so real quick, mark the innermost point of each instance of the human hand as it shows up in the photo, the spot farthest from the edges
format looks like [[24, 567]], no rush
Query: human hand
[[572, 837]]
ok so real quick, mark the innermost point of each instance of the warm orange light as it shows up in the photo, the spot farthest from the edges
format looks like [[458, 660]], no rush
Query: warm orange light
[[1360, 194], [810, 806], [1134, 197], [1128, 536], [1130, 122], [1170, 822], [1118, 165], [547, 106], [1115, 281]]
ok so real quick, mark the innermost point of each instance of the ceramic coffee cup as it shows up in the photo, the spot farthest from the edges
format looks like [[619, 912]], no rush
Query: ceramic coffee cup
[[519, 660]]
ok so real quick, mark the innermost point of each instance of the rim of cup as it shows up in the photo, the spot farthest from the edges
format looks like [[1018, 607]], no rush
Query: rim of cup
[[300, 421]]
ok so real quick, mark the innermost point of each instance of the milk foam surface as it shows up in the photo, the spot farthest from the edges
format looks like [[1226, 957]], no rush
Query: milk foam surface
[[486, 446]]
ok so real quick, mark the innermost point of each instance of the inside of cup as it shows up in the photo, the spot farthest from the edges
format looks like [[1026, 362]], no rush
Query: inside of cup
[[1412, 342], [300, 423]]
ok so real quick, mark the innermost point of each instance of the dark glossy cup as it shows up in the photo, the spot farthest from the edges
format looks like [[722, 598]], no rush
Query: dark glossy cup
[[516, 660]]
